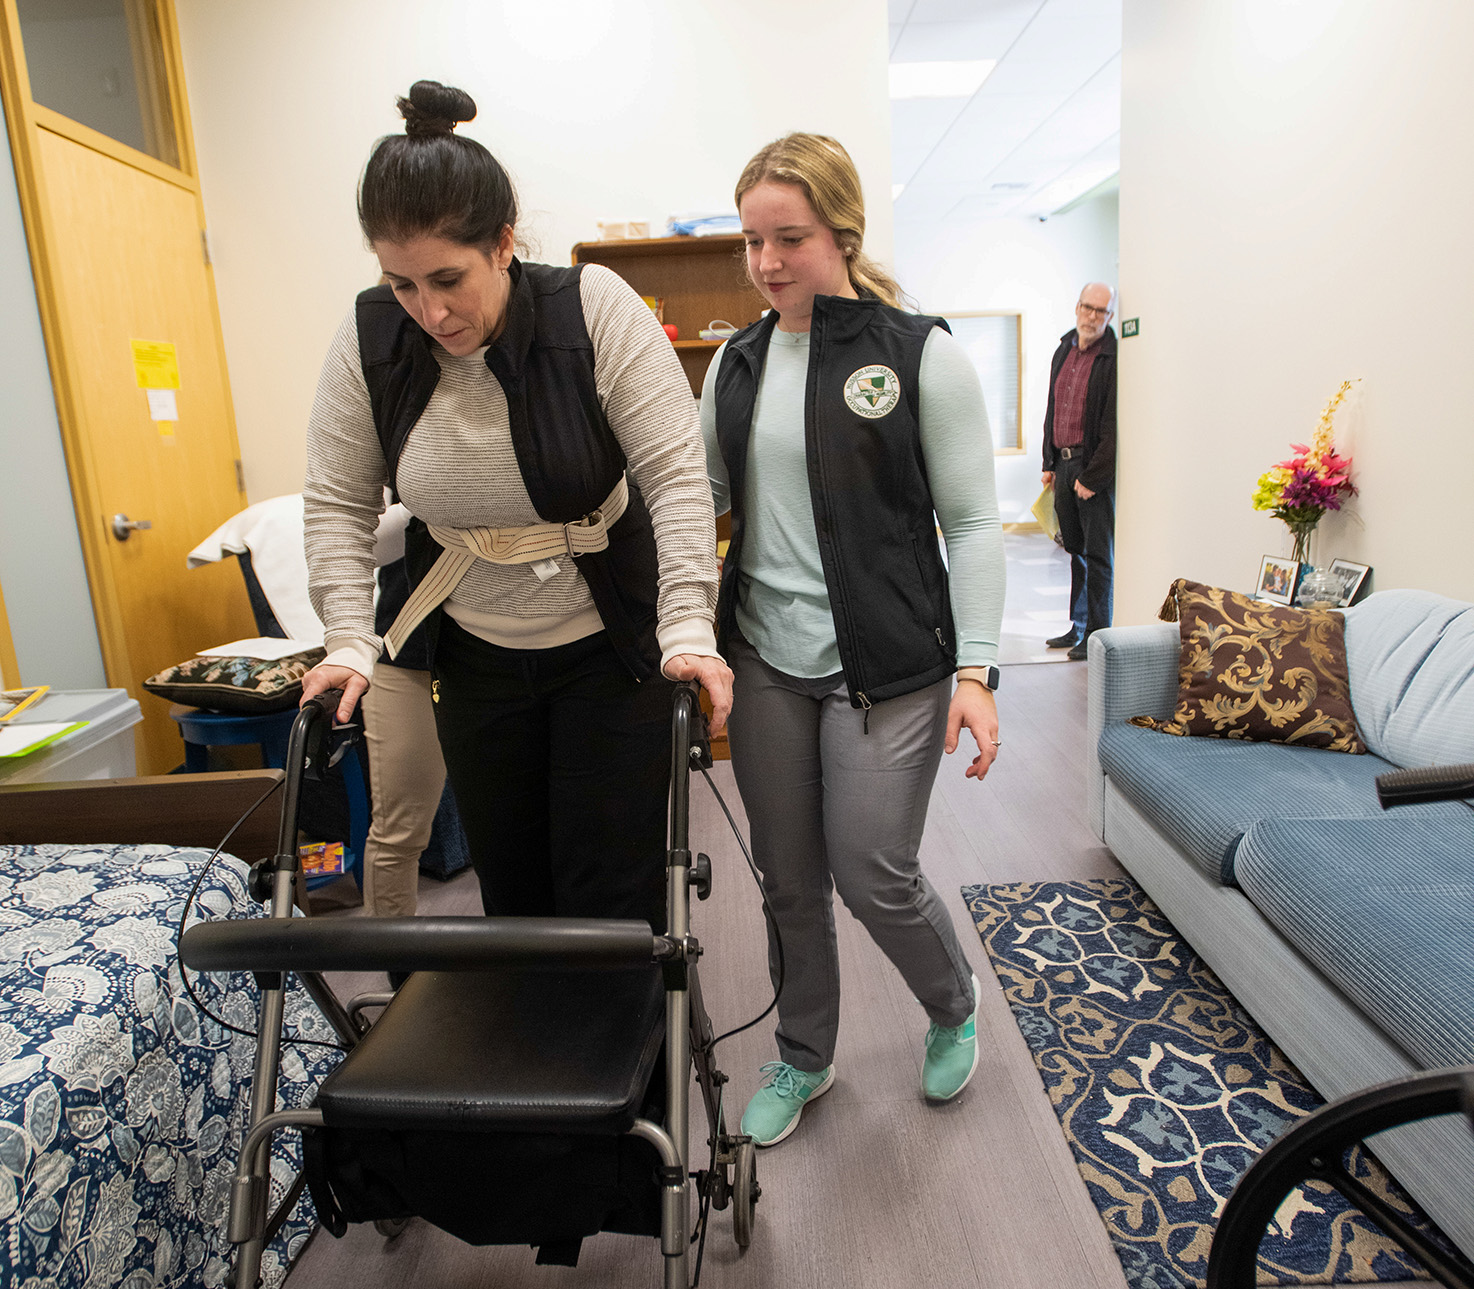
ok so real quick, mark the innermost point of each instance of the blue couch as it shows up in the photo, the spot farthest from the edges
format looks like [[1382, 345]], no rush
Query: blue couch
[[1348, 933]]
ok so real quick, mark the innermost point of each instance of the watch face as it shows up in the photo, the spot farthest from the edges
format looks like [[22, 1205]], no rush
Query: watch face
[[994, 676]]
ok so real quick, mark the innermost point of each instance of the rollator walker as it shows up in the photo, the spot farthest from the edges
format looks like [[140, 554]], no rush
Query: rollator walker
[[513, 1089]]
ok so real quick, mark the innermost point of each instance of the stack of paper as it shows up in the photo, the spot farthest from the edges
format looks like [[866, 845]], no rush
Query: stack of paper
[[264, 648]]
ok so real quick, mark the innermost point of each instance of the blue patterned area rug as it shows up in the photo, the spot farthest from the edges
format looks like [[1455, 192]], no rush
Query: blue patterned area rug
[[1165, 1087]]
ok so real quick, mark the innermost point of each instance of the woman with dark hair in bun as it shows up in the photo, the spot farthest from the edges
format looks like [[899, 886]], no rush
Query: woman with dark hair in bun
[[537, 424]]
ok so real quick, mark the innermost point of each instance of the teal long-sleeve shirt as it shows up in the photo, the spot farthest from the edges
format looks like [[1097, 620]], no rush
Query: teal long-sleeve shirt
[[782, 601]]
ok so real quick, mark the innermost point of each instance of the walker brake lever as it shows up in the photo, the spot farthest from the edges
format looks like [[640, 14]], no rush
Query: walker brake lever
[[326, 732], [699, 754]]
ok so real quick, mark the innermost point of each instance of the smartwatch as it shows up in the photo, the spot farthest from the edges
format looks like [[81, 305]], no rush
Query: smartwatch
[[987, 676]]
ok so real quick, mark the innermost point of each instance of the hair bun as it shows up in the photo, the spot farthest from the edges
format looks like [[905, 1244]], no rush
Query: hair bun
[[433, 108]]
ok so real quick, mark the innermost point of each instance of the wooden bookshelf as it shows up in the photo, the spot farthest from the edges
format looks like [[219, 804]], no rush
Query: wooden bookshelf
[[701, 280]]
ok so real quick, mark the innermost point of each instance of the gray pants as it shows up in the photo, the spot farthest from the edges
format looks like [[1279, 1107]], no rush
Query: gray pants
[[832, 807]]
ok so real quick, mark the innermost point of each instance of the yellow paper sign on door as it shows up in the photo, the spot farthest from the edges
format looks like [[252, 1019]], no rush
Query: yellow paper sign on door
[[155, 364]]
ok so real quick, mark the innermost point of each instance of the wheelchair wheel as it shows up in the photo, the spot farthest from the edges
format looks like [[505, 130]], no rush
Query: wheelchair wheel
[[391, 1228], [1313, 1148], [745, 1192]]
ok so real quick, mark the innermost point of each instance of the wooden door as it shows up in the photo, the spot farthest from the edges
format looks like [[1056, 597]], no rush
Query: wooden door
[[9, 665], [118, 249]]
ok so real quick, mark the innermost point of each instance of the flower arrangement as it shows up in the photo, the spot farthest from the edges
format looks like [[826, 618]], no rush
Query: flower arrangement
[[1298, 492]]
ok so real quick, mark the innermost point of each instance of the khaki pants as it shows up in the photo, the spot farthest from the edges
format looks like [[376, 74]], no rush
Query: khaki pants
[[407, 776]]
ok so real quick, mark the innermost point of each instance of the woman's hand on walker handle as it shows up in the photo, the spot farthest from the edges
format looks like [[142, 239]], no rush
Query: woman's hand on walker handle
[[322, 678], [974, 706], [713, 675]]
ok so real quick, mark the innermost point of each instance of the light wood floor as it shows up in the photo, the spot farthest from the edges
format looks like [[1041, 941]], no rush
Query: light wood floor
[[876, 1188]]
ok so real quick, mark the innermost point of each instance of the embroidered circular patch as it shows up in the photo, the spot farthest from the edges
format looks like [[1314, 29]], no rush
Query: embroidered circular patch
[[873, 391]]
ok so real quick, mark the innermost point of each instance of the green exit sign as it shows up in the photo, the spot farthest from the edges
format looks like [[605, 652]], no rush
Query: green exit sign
[[1130, 326]]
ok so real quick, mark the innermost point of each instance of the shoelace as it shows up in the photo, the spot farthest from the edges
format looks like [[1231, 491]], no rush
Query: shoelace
[[952, 1032], [783, 1078]]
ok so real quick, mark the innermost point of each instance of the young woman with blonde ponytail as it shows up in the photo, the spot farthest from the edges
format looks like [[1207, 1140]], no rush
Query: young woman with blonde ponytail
[[839, 430]]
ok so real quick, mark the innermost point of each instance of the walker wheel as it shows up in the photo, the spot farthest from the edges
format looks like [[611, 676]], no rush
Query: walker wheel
[[391, 1228], [745, 1192]]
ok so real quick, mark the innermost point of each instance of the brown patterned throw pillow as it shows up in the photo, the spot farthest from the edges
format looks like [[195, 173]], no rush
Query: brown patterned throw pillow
[[1258, 671], [242, 686]]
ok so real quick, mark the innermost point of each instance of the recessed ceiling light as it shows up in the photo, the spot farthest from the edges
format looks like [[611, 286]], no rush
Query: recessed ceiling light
[[939, 80]]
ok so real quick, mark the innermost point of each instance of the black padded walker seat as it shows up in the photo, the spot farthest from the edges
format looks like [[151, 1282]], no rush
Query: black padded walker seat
[[520, 1087], [519, 1051]]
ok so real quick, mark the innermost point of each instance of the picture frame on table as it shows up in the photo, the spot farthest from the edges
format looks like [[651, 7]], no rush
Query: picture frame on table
[[1278, 578], [1352, 576]]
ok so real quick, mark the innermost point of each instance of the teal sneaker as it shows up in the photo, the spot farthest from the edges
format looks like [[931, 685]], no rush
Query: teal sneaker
[[775, 1107], [951, 1055]]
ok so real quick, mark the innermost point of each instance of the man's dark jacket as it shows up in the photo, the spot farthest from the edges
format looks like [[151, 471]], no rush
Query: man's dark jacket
[[1099, 419]]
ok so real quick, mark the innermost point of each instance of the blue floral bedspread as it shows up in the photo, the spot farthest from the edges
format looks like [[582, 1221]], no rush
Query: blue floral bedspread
[[121, 1106]]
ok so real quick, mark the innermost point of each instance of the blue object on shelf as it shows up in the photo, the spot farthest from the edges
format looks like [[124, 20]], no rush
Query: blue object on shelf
[[702, 225]]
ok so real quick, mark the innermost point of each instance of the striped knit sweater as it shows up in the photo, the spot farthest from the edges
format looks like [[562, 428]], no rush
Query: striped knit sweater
[[459, 469]]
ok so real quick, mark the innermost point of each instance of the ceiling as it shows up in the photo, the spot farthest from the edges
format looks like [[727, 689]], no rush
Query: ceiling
[[1042, 130]]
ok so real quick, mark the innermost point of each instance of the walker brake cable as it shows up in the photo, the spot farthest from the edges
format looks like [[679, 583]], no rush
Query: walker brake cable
[[184, 918], [767, 912]]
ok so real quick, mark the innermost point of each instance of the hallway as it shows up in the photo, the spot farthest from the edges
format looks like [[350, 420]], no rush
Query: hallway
[[1037, 605]]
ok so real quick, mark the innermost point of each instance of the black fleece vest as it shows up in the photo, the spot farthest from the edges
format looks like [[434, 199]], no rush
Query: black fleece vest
[[568, 455], [872, 502]]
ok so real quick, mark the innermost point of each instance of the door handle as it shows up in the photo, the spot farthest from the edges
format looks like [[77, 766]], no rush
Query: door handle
[[123, 526]]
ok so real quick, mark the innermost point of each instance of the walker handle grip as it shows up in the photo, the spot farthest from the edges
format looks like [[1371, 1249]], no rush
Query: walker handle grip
[[699, 738], [326, 703], [1426, 783]]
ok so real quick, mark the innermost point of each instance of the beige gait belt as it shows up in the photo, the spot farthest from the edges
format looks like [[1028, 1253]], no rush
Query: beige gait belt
[[527, 545]]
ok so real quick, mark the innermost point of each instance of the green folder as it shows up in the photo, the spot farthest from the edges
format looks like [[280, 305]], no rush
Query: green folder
[[13, 741]]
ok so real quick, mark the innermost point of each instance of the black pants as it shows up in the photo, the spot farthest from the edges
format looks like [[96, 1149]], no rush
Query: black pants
[[1088, 531], [560, 761]]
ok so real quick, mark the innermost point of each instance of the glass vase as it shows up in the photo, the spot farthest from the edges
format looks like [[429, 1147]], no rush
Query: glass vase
[[1311, 585], [1302, 536]]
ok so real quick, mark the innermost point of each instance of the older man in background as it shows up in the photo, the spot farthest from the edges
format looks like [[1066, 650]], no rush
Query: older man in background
[[1080, 461]]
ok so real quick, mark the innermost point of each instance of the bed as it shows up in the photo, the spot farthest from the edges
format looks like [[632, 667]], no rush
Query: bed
[[121, 1105]]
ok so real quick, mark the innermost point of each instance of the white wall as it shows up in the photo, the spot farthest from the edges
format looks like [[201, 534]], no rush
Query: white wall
[[599, 110], [1022, 264], [1297, 189], [41, 569]]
